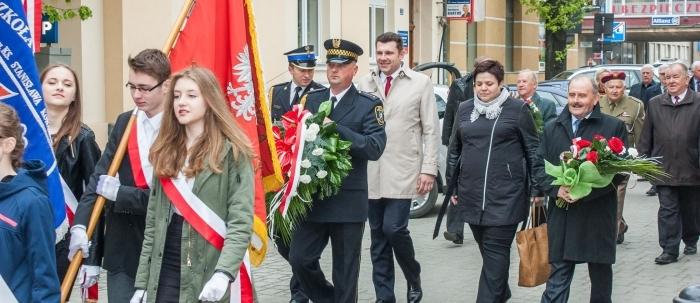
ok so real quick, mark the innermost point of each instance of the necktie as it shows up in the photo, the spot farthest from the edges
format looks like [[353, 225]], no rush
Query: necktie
[[297, 93], [676, 99], [575, 125], [334, 101], [387, 86]]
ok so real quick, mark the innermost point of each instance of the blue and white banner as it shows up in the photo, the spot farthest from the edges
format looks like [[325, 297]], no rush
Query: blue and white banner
[[21, 89]]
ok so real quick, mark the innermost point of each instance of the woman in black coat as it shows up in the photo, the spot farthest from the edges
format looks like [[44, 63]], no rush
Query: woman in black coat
[[495, 136], [76, 156], [585, 231]]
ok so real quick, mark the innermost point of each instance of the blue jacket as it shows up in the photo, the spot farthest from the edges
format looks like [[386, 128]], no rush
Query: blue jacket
[[27, 237]]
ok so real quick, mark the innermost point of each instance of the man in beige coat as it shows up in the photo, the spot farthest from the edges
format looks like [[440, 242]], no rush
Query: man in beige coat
[[406, 169]]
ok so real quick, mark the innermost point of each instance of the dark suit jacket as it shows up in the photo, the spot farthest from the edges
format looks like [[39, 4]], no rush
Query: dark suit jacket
[[586, 231], [645, 95], [691, 84], [356, 117], [124, 218], [672, 132], [547, 107], [280, 95]]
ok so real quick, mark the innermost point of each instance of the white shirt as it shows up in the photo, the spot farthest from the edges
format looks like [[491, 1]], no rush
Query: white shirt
[[382, 76], [292, 88], [339, 96], [680, 97], [151, 125]]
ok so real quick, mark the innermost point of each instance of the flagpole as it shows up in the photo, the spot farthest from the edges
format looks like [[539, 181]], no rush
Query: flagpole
[[116, 162]]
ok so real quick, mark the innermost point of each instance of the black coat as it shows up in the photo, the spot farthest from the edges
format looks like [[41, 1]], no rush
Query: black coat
[[125, 218], [76, 163], [359, 118], [461, 89], [586, 231], [673, 133], [280, 95], [493, 185], [645, 93]]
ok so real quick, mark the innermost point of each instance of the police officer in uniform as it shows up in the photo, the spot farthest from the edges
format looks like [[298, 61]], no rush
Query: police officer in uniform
[[359, 118], [302, 62], [631, 111]]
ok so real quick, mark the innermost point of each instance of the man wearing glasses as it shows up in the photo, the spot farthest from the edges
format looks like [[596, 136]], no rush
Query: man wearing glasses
[[127, 193]]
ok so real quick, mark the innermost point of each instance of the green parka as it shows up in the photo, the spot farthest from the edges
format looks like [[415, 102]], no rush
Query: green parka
[[230, 195]]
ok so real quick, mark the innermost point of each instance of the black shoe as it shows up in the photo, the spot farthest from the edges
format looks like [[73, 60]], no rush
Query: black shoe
[[414, 293], [621, 236], [690, 250], [454, 237], [651, 191], [665, 258]]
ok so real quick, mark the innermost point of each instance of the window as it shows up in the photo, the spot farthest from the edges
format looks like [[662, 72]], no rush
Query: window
[[377, 19], [308, 25]]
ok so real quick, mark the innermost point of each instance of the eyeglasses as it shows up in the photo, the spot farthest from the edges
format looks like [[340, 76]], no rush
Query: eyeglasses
[[142, 90]]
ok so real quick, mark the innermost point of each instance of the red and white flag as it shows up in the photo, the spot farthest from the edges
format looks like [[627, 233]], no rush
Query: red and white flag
[[33, 11], [220, 35]]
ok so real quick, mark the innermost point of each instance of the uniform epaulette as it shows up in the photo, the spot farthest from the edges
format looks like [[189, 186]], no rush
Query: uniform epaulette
[[369, 96], [313, 91], [635, 99], [281, 84]]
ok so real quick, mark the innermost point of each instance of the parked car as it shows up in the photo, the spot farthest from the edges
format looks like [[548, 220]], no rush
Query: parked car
[[555, 91], [632, 71]]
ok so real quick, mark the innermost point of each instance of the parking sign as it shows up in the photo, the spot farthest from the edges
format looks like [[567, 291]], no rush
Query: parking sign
[[618, 33]]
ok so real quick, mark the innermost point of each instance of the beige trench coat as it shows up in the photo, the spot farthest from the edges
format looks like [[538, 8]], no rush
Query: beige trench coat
[[412, 133]]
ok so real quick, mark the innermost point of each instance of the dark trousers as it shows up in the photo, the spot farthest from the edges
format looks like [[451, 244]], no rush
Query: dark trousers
[[294, 286], [494, 245], [562, 272], [120, 287], [388, 222], [309, 241], [678, 217], [455, 223], [169, 281]]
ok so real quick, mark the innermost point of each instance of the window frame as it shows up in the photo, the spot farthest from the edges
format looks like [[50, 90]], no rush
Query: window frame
[[373, 6]]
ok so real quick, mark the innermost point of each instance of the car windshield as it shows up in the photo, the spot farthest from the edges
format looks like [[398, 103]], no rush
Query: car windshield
[[563, 75]]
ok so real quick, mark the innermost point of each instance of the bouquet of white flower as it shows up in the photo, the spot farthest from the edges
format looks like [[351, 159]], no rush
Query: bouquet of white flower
[[314, 161]]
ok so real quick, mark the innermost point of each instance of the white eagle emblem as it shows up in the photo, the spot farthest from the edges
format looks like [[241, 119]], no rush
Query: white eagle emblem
[[242, 98]]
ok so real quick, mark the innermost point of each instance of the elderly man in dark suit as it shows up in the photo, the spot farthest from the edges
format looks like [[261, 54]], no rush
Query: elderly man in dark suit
[[672, 132], [341, 218], [584, 232], [694, 81], [302, 62], [527, 91], [648, 88]]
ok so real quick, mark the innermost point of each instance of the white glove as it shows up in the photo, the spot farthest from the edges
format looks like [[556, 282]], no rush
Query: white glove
[[215, 289], [78, 240], [140, 295], [88, 275], [108, 186]]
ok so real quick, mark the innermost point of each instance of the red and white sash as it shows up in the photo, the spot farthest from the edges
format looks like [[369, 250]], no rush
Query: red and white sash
[[211, 227], [141, 168]]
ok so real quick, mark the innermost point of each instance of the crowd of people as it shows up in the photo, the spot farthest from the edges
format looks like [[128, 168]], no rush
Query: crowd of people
[[188, 162]]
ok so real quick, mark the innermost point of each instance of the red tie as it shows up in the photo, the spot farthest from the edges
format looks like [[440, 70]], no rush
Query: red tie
[[387, 86]]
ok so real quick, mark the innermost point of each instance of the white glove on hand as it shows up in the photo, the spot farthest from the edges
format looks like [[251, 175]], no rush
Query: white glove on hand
[[215, 289], [88, 275], [78, 240], [140, 295], [108, 186]]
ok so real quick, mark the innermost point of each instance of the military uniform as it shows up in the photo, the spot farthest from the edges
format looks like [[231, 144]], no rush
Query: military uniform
[[341, 217], [281, 94], [629, 110]]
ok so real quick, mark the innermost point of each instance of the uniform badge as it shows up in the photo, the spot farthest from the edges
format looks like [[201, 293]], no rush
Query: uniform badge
[[336, 43], [379, 114], [625, 114]]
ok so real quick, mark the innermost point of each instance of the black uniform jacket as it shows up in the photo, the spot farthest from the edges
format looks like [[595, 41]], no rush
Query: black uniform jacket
[[76, 163], [496, 158], [281, 95], [359, 120], [125, 218], [586, 231]]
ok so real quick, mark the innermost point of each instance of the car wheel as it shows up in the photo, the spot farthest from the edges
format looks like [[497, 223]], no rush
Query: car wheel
[[422, 205]]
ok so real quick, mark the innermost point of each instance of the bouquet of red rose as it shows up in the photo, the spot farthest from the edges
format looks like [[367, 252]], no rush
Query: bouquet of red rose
[[593, 164], [314, 162]]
